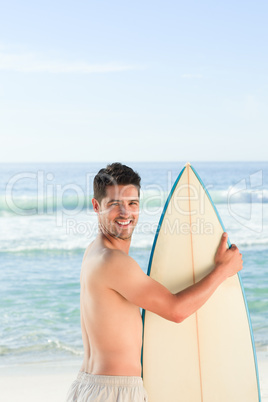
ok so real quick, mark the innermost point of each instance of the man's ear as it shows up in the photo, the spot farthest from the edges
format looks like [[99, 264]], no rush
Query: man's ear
[[96, 205]]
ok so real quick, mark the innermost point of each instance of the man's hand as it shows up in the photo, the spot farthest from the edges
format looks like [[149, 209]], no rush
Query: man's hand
[[228, 260]]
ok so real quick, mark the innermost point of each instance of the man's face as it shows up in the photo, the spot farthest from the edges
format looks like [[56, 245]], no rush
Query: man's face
[[119, 211]]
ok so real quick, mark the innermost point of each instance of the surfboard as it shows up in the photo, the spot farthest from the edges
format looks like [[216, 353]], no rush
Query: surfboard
[[210, 356]]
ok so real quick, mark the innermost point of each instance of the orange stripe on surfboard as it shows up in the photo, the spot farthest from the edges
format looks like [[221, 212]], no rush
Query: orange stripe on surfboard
[[193, 267]]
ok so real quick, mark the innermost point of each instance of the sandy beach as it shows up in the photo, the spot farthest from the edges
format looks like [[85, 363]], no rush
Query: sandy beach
[[47, 382], [42, 382]]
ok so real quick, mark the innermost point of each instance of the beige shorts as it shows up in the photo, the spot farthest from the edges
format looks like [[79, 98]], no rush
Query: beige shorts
[[106, 388]]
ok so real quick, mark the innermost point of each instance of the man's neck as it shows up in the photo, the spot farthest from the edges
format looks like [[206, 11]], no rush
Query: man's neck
[[115, 242]]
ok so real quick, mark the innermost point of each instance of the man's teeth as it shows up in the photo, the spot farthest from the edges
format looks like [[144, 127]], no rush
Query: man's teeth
[[123, 223]]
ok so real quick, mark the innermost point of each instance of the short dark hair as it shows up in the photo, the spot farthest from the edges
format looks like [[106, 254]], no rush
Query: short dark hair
[[114, 174]]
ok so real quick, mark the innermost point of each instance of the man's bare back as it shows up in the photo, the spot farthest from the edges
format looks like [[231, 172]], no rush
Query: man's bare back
[[111, 325]]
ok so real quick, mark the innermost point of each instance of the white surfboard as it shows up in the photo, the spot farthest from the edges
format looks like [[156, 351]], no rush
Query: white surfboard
[[209, 357]]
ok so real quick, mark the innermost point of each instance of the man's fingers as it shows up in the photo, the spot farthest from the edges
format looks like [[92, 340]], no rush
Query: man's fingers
[[223, 243]]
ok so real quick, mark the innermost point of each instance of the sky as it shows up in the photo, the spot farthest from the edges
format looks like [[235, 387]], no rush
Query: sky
[[124, 80]]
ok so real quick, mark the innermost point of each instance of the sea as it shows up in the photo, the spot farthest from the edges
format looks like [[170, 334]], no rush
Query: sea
[[47, 221]]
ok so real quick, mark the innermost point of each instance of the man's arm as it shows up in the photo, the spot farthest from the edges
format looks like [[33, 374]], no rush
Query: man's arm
[[125, 276]]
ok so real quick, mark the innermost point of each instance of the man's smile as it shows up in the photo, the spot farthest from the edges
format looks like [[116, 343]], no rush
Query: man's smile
[[123, 222]]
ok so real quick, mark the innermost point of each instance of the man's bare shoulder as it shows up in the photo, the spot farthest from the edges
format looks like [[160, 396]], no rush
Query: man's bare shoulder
[[106, 261], [114, 256], [111, 261]]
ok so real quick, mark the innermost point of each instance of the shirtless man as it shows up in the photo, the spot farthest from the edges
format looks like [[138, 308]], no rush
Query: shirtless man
[[114, 287]]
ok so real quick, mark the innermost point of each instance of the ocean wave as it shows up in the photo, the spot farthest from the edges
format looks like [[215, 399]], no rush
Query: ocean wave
[[51, 249], [239, 197], [253, 242], [49, 346], [33, 204], [68, 248], [143, 243]]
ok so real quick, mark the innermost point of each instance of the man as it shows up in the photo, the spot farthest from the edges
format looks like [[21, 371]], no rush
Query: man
[[114, 287]]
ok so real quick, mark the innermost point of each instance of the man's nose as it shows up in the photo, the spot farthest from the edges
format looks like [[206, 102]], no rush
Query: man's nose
[[124, 210]]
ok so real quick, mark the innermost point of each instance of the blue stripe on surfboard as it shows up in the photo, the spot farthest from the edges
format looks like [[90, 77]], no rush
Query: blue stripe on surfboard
[[241, 283], [154, 244]]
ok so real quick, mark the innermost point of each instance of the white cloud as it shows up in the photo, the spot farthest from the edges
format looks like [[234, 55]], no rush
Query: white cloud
[[35, 63]]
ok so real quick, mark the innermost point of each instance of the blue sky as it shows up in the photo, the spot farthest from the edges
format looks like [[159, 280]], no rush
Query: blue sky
[[133, 80]]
